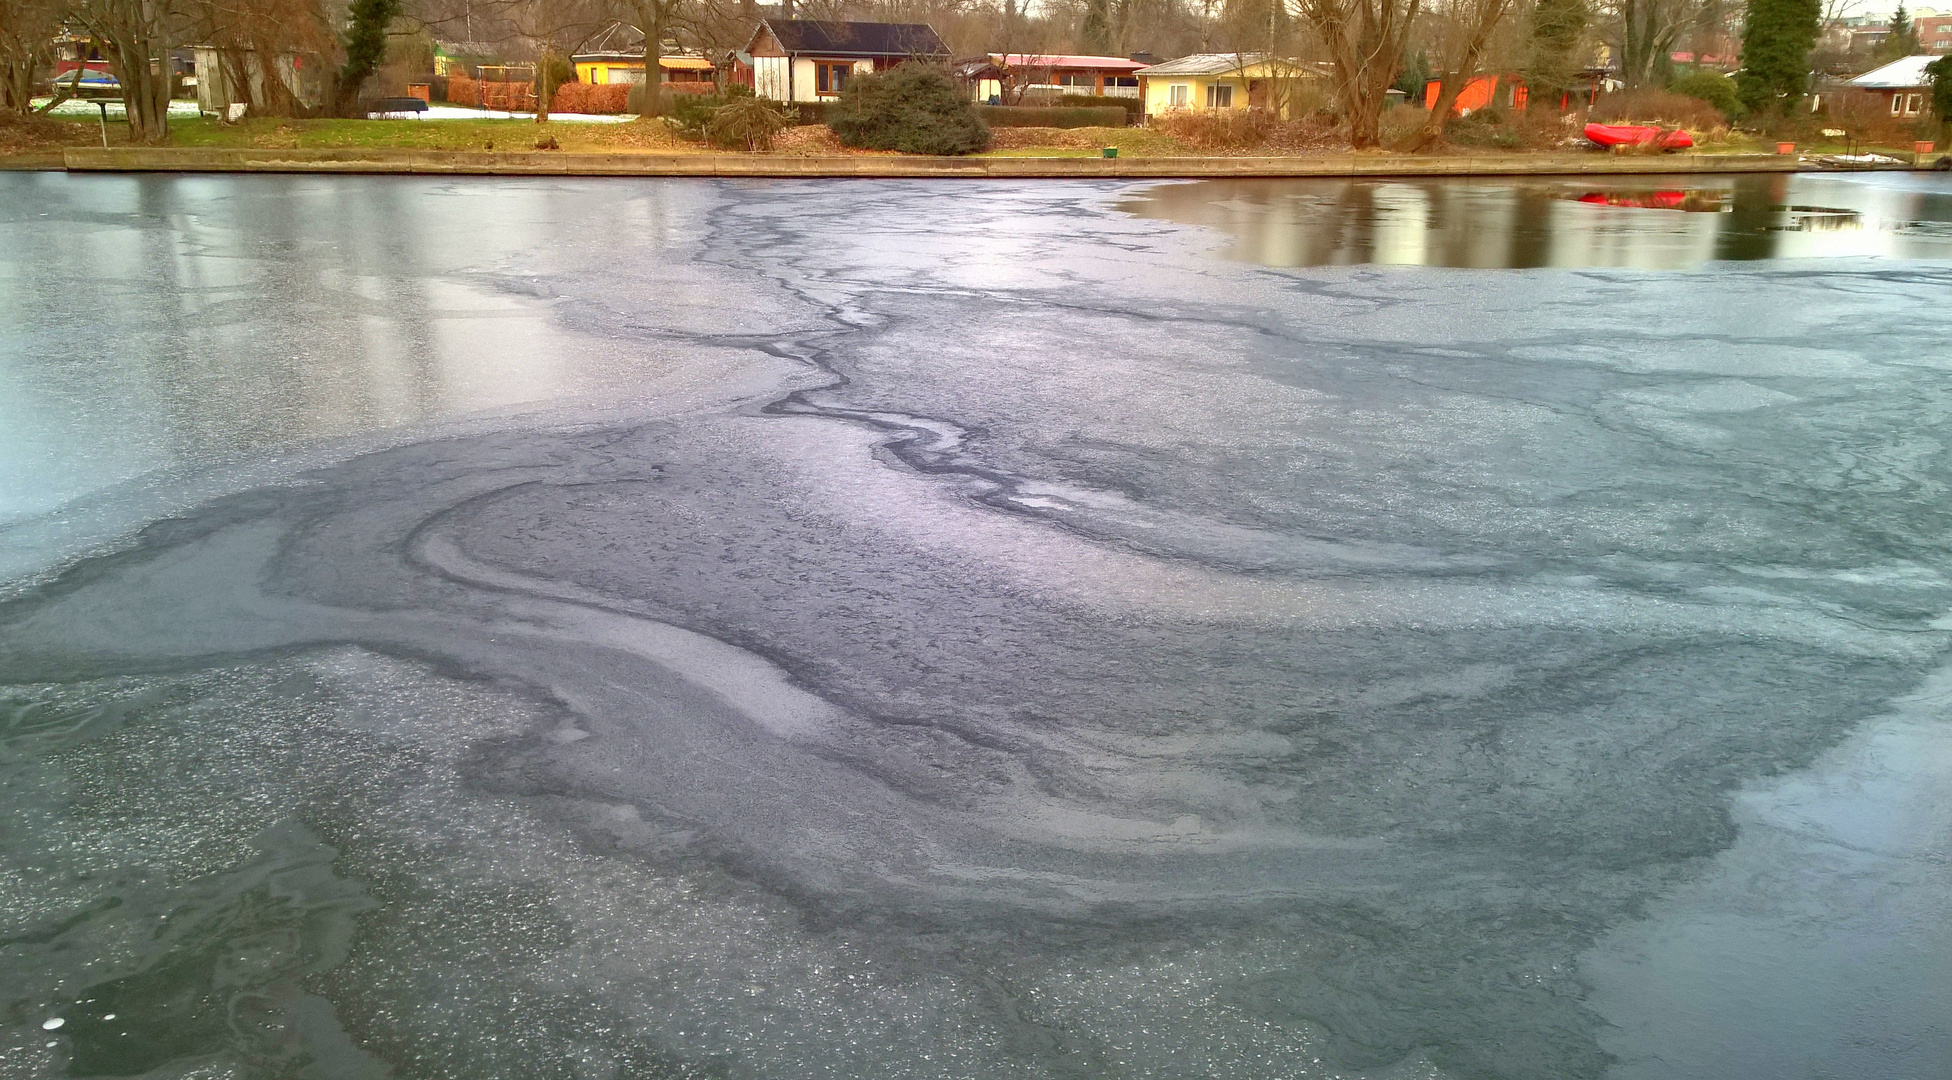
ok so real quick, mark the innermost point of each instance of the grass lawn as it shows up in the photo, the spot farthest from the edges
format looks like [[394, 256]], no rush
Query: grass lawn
[[653, 137], [1083, 142], [487, 133]]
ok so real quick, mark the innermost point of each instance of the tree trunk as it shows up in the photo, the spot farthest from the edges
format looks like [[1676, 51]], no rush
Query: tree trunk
[[542, 87], [651, 17], [1486, 18], [137, 49], [1365, 42]]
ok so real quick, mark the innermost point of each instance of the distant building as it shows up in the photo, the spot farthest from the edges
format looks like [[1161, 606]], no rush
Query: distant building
[[1934, 31], [813, 59], [1902, 83], [1015, 78], [462, 57], [1223, 81]]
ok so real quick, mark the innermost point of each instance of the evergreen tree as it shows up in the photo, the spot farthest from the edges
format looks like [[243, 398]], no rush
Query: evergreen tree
[[1777, 37], [1940, 72], [1558, 31], [365, 47], [1095, 35], [1902, 41]]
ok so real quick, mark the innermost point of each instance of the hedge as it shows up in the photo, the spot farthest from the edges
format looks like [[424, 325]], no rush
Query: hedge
[[1055, 116], [492, 95], [1133, 106], [580, 97]]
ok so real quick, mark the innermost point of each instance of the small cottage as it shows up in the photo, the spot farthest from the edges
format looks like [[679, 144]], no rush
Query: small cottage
[[617, 56], [1903, 84], [1224, 81], [812, 59], [1031, 78]]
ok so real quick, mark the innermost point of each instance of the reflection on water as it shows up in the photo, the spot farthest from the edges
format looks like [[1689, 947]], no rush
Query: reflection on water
[[1570, 222]]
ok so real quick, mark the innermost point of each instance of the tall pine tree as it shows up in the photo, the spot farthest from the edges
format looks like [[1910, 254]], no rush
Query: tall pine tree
[[1902, 41], [1558, 34], [1777, 37]]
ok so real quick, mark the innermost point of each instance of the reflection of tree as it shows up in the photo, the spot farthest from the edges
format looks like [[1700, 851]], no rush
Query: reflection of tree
[[1748, 229]]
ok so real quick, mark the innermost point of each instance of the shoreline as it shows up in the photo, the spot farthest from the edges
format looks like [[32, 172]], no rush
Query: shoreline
[[571, 163]]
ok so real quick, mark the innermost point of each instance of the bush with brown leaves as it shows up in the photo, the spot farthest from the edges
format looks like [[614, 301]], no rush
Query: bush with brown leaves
[[1217, 129], [590, 98]]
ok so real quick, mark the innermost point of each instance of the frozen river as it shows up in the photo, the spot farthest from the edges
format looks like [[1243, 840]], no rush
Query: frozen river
[[539, 628]]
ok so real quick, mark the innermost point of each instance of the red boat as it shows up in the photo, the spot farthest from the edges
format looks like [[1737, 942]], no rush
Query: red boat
[[1638, 135]]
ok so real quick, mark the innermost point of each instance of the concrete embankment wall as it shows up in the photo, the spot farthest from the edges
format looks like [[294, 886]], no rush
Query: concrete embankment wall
[[559, 163]]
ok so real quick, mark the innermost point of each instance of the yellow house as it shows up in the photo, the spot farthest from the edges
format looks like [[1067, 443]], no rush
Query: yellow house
[[617, 56], [599, 68], [1224, 81]]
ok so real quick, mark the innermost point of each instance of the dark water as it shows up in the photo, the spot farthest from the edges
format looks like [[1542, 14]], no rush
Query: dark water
[[660, 628], [1653, 223]]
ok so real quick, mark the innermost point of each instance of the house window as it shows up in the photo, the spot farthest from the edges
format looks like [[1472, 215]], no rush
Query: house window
[[1912, 102], [1176, 95], [830, 78], [1076, 81], [1131, 81], [1219, 96], [1897, 104]]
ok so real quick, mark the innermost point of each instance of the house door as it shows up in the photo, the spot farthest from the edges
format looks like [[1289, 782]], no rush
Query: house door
[[1257, 93]]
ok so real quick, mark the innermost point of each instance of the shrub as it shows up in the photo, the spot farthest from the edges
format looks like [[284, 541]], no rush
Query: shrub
[[1657, 107], [690, 114], [1488, 128], [634, 99], [1941, 72], [462, 90], [1712, 87], [1217, 129], [913, 108], [591, 98], [745, 123], [1134, 107], [1052, 117]]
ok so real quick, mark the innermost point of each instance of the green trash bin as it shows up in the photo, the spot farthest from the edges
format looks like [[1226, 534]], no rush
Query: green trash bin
[[1110, 151]]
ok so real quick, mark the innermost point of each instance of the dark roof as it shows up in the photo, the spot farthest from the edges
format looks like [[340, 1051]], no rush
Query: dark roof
[[856, 38]]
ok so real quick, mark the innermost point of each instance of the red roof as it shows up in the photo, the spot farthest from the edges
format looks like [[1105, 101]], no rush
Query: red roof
[[1036, 60]]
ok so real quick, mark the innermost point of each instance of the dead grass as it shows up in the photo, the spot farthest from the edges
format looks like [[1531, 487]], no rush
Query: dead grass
[[26, 134], [816, 140], [1251, 132], [1084, 142]]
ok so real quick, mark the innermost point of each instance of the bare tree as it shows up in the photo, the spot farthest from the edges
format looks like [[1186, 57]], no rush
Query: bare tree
[[655, 19], [1364, 40], [136, 37], [1463, 32], [1647, 31], [27, 31]]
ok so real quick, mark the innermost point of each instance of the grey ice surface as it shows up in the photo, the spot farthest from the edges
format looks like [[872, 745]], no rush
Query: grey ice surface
[[488, 628]]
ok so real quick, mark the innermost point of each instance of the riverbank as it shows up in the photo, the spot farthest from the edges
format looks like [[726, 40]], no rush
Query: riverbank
[[561, 163]]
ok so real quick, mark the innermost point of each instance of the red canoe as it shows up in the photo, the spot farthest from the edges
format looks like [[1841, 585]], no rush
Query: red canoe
[[1637, 135]]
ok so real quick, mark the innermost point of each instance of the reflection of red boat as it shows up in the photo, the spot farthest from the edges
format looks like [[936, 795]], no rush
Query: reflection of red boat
[[1645, 200], [1638, 135]]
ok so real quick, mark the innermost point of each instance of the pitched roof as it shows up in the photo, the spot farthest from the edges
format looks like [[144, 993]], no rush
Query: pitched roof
[[1897, 75], [855, 38], [1207, 64], [1036, 60]]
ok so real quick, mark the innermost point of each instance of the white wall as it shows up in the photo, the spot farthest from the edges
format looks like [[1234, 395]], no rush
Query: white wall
[[769, 78], [803, 76]]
